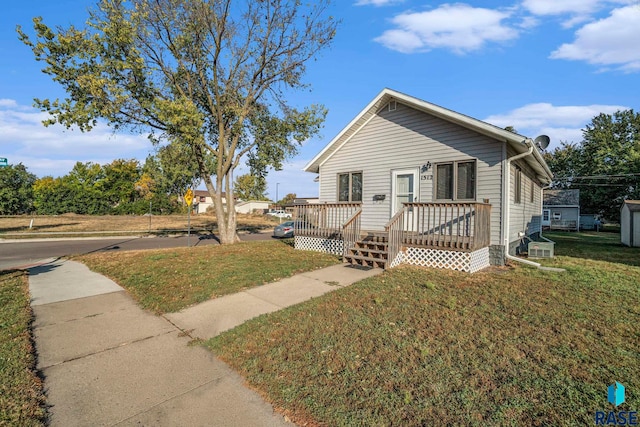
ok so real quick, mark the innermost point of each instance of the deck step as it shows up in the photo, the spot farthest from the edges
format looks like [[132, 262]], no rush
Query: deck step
[[375, 238], [366, 261], [372, 246], [379, 251], [371, 251]]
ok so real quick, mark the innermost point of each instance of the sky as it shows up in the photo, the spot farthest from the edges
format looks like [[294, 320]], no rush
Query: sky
[[541, 66]]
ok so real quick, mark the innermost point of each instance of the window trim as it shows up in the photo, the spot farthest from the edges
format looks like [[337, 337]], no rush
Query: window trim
[[350, 174], [517, 185], [455, 163], [532, 195]]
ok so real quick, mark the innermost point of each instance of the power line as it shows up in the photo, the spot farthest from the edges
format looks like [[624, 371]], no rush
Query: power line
[[619, 175]]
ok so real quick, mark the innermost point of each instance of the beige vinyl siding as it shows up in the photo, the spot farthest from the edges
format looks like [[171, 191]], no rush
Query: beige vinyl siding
[[525, 216], [407, 139]]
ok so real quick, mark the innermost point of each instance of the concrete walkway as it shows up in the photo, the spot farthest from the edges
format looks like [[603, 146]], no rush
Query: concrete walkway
[[108, 362]]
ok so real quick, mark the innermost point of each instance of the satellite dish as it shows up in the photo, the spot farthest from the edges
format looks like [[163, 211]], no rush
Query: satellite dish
[[542, 141]]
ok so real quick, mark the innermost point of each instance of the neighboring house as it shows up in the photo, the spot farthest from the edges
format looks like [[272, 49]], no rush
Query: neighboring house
[[407, 181], [202, 200], [630, 223], [561, 210], [253, 206]]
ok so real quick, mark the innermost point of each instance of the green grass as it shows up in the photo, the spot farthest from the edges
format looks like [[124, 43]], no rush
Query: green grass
[[505, 346], [596, 246], [21, 394], [168, 280]]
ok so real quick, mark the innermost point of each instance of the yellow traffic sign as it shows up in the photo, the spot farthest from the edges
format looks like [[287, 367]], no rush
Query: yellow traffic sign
[[188, 197]]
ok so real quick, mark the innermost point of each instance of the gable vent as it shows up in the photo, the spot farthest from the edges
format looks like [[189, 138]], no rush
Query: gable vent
[[392, 106]]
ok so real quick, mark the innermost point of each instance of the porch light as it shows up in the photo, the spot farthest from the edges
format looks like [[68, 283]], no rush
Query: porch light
[[425, 168]]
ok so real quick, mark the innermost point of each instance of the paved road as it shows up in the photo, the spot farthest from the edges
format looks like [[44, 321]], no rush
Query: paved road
[[17, 253]]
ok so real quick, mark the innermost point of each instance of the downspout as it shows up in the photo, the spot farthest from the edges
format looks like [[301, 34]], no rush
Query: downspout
[[542, 213], [535, 264], [506, 183]]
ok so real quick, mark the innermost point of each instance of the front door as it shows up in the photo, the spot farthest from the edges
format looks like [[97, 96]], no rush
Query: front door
[[404, 190]]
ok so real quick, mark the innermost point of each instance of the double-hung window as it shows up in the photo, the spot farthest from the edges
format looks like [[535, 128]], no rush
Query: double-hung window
[[350, 187], [456, 180]]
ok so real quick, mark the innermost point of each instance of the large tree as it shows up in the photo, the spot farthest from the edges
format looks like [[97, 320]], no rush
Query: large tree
[[605, 166], [210, 74], [16, 194]]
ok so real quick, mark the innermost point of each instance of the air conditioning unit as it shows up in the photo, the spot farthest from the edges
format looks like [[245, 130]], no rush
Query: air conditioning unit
[[541, 249]]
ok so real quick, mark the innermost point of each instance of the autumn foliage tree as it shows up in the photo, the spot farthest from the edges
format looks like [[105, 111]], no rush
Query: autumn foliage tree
[[250, 187], [211, 75]]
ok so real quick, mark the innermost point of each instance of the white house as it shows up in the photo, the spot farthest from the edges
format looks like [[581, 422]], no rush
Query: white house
[[561, 210], [253, 206], [407, 181], [201, 201]]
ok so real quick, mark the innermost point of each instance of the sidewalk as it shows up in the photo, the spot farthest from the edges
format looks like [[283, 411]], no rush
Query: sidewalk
[[107, 362]]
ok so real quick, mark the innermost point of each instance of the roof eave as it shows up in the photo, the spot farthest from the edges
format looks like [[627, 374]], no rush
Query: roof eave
[[518, 142]]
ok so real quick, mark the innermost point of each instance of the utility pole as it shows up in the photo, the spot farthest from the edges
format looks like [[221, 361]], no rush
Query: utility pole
[[277, 184]]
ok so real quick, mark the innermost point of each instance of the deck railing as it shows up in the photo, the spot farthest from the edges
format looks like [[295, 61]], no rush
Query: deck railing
[[325, 220], [351, 232], [455, 226], [395, 231]]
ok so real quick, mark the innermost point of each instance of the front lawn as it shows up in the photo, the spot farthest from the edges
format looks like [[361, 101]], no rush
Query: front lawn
[[168, 280], [21, 394], [505, 346]]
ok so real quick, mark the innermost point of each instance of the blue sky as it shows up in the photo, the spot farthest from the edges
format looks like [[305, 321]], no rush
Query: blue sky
[[542, 66]]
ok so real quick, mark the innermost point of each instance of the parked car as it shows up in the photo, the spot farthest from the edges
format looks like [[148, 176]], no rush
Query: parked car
[[280, 214], [286, 229]]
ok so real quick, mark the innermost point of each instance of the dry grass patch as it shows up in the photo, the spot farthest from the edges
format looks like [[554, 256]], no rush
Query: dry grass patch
[[171, 279], [506, 346], [68, 223], [21, 394]]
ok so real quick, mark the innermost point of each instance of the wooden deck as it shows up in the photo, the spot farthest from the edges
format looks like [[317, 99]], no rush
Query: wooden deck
[[462, 227]]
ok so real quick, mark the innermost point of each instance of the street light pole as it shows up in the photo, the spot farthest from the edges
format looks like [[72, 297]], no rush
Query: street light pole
[[277, 184]]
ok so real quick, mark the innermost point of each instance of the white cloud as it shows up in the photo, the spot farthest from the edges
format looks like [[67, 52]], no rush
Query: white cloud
[[377, 2], [459, 27], [8, 103], [54, 150], [560, 123], [612, 41], [528, 22], [560, 7], [579, 11]]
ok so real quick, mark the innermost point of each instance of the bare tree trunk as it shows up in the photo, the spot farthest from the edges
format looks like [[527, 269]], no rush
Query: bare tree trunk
[[226, 219]]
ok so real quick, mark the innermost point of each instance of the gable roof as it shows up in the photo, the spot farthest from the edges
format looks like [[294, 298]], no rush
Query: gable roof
[[516, 141], [561, 198], [633, 205]]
